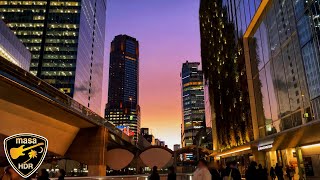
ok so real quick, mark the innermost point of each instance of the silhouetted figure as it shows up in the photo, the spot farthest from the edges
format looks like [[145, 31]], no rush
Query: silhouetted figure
[[61, 174], [215, 171], [279, 172], [171, 174], [290, 172], [231, 171], [272, 173], [43, 175], [154, 175], [251, 173], [202, 172], [262, 173]]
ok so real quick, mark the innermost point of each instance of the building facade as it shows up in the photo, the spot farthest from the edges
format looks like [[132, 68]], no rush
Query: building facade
[[12, 49], [281, 48], [176, 147], [192, 91], [225, 75], [66, 40], [123, 95]]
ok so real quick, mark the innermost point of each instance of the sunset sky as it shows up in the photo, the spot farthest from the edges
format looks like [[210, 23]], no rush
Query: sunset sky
[[168, 33]]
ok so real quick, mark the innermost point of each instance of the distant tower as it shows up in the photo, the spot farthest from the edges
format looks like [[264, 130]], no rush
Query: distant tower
[[123, 95], [192, 102]]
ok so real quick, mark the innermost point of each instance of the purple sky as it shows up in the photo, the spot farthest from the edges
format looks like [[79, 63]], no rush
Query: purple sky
[[168, 33]]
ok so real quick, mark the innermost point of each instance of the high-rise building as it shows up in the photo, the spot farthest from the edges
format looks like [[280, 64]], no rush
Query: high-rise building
[[157, 142], [224, 70], [144, 131], [176, 147], [123, 95], [162, 143], [12, 49], [66, 40], [146, 134], [192, 91], [280, 44]]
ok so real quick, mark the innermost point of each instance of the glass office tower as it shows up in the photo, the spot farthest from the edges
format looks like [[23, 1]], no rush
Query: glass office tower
[[12, 49], [123, 96], [66, 40], [224, 69], [192, 91], [281, 47]]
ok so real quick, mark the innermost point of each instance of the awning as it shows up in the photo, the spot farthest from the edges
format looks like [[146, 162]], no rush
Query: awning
[[244, 149]]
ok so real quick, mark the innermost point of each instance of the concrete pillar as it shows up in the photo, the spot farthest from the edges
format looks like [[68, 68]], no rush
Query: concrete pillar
[[259, 157], [97, 170], [89, 147], [175, 159]]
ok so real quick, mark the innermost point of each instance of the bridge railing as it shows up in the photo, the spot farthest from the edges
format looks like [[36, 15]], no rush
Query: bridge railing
[[24, 78], [180, 176]]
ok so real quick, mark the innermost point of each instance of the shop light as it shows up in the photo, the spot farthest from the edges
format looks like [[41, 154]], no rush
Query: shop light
[[311, 146], [240, 150]]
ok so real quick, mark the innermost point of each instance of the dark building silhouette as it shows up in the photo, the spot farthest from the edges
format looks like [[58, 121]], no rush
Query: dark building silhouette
[[123, 95], [66, 40]]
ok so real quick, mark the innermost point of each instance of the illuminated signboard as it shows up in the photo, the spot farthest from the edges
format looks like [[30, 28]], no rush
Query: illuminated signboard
[[126, 130], [269, 146]]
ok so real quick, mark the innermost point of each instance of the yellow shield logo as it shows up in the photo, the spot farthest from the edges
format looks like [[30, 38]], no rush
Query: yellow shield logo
[[25, 152]]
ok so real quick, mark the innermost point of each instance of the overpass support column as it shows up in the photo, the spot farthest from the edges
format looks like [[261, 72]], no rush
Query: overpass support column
[[89, 147]]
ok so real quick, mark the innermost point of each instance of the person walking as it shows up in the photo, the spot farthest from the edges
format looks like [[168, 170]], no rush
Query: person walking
[[272, 173], [215, 172], [231, 172], [260, 172], [202, 172], [251, 173], [279, 172], [171, 174], [290, 172], [154, 175]]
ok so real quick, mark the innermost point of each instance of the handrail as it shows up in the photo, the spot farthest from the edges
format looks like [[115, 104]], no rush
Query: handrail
[[24, 78]]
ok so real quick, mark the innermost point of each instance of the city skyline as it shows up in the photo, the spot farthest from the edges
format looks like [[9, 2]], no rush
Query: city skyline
[[164, 46], [232, 83]]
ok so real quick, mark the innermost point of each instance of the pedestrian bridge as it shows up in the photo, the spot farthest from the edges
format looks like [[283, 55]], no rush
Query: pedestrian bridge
[[30, 105]]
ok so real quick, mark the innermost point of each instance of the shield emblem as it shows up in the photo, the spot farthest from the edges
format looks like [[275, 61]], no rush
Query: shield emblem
[[25, 152]]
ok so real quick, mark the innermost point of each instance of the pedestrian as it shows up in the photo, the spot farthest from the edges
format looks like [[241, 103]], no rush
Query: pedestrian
[[154, 175], [171, 174], [61, 174], [272, 173], [265, 173], [202, 172], [43, 175], [231, 172], [251, 173], [215, 171], [290, 172], [262, 173], [279, 172]]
